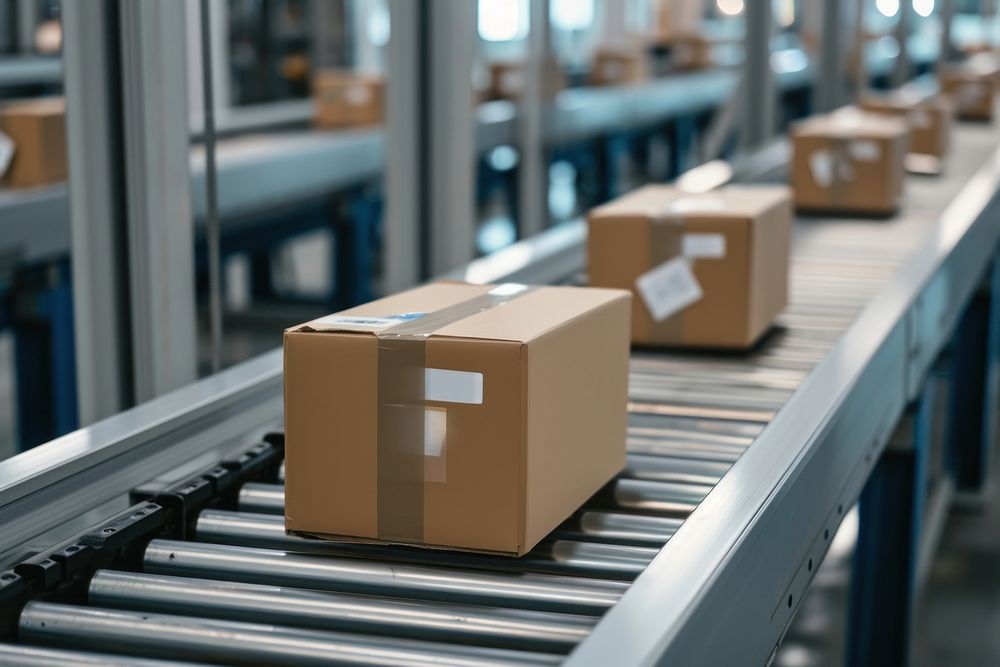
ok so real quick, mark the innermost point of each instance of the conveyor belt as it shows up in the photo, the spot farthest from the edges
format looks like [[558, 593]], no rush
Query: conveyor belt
[[237, 589]]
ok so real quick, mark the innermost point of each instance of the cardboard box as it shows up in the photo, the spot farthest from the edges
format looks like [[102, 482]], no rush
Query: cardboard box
[[612, 67], [707, 270], [849, 161], [972, 90], [929, 116], [37, 129], [687, 50], [348, 99], [483, 436], [507, 80]]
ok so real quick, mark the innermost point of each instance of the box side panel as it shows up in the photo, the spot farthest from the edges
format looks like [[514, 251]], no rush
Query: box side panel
[[331, 408], [618, 252], [577, 413], [769, 257], [720, 317], [474, 451]]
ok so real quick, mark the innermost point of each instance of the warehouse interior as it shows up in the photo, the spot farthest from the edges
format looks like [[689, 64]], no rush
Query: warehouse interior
[[499, 332]]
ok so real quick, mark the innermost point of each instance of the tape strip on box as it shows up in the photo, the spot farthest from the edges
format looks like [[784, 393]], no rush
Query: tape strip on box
[[412, 436]]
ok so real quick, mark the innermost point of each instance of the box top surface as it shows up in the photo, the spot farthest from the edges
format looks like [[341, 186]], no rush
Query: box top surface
[[902, 99], [526, 315], [851, 122], [42, 106], [667, 201]]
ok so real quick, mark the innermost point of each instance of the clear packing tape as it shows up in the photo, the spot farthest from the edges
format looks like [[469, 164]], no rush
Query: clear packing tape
[[411, 435]]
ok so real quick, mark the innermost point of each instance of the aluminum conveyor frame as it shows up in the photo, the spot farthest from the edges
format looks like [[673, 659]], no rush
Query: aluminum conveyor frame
[[738, 564]]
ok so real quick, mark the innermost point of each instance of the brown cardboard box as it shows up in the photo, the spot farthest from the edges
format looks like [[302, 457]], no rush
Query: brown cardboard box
[[348, 99], [929, 116], [612, 67], [707, 270], [519, 409], [972, 90], [688, 50], [507, 79], [38, 129], [849, 161]]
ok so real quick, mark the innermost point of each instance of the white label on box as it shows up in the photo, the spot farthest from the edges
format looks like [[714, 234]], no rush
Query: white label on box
[[703, 246], [919, 118], [864, 150], [821, 167], [448, 386], [696, 204], [669, 288], [361, 322], [435, 431], [7, 149], [357, 95]]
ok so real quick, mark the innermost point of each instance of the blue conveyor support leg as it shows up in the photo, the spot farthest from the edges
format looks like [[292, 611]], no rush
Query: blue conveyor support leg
[[883, 578], [972, 421]]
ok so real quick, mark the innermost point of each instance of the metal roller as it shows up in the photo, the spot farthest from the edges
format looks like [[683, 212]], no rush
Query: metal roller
[[554, 557], [676, 496], [21, 655], [634, 529], [239, 643], [674, 469], [352, 575], [466, 624]]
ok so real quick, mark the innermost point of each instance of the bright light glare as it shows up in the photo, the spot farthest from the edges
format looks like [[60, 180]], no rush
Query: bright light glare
[[923, 7], [887, 7], [503, 20], [784, 12], [378, 24], [571, 14], [730, 7]]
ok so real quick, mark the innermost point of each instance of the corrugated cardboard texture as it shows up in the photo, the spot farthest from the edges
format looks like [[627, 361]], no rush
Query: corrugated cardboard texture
[[866, 186], [347, 99], [742, 292], [38, 129], [554, 364], [929, 117]]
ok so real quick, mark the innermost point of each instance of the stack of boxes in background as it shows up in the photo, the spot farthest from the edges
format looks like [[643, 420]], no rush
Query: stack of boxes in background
[[618, 66], [35, 149], [348, 99], [972, 86]]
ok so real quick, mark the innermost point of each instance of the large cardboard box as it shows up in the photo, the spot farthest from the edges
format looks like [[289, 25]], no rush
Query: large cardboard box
[[37, 129], [455, 416], [348, 99], [930, 118], [972, 90], [849, 161], [707, 269], [612, 67]]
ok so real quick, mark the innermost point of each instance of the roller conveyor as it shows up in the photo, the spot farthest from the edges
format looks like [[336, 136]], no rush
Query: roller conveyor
[[219, 580]]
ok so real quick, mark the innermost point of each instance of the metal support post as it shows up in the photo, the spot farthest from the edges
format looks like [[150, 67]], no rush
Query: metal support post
[[975, 393], [946, 15], [97, 203], [758, 120], [533, 170], [158, 179], [829, 88], [886, 558], [903, 69], [430, 177], [451, 133], [404, 177]]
